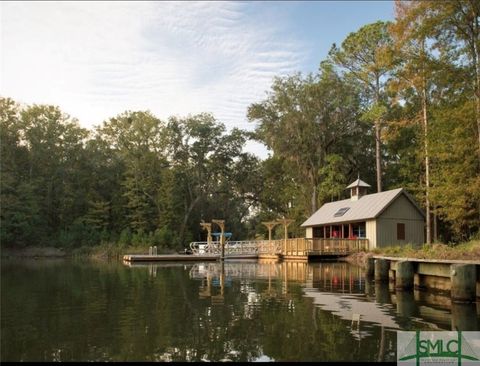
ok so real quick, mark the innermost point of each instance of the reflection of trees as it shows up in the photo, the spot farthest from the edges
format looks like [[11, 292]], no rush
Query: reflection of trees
[[89, 311], [85, 311]]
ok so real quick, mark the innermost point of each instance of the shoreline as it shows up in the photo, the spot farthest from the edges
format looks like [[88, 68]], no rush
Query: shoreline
[[34, 252], [98, 252]]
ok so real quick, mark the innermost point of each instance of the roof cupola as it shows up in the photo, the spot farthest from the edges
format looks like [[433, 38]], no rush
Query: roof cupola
[[358, 189]]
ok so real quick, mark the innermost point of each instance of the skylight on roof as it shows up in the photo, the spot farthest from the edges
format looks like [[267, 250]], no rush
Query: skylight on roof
[[341, 211]]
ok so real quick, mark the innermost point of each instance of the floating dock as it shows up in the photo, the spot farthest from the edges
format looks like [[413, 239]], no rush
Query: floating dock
[[184, 257], [214, 257], [240, 256], [168, 257]]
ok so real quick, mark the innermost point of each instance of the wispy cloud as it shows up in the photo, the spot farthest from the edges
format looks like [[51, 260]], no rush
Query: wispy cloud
[[97, 59]]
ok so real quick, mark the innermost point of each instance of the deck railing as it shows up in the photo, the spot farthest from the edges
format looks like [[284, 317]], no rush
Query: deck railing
[[291, 247], [242, 247], [305, 246]]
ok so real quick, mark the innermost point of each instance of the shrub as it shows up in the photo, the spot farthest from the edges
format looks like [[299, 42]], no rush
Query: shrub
[[125, 238]]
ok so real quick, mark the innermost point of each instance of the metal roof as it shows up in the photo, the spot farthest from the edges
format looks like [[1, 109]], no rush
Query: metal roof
[[359, 183], [367, 207]]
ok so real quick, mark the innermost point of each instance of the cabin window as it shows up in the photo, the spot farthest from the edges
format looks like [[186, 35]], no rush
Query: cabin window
[[359, 230], [346, 231], [400, 231], [336, 231], [318, 232]]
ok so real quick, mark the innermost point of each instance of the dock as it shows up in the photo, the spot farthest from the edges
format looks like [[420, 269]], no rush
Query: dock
[[190, 257], [459, 278], [169, 257], [297, 249]]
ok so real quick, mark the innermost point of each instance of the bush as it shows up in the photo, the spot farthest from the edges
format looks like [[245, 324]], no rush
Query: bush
[[163, 237], [82, 251], [140, 238], [77, 235], [125, 238]]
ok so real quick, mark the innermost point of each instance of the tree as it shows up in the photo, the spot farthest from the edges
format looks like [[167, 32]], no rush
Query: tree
[[303, 120], [364, 54], [414, 70], [138, 139], [55, 143], [334, 178], [433, 77], [20, 213], [204, 158], [457, 26]]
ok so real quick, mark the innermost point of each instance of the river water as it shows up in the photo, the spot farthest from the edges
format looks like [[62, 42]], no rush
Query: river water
[[66, 310]]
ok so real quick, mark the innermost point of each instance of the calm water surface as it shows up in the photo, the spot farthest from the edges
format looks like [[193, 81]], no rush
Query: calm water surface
[[61, 310]]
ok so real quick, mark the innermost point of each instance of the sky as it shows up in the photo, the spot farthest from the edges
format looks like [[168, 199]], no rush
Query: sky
[[97, 59]]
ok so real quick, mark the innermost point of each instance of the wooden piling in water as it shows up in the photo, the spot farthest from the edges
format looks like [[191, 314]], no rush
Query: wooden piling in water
[[370, 272], [381, 270], [404, 275], [459, 278], [463, 279]]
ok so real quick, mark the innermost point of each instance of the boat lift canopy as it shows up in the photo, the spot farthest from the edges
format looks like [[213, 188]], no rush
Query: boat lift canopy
[[227, 235]]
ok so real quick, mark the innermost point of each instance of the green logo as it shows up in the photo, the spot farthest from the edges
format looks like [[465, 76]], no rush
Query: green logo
[[438, 348]]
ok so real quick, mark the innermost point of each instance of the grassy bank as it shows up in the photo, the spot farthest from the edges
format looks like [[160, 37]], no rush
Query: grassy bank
[[466, 251], [469, 251]]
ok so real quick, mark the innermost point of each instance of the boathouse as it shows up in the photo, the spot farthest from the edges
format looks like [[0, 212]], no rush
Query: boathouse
[[385, 218]]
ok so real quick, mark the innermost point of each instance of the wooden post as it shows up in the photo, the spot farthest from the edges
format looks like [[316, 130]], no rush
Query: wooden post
[[285, 222], [222, 279], [286, 236], [463, 282], [209, 284], [381, 270], [221, 225], [404, 275], [207, 227], [270, 225]]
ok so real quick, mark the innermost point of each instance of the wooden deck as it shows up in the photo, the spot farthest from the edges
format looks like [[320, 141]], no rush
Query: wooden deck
[[301, 249]]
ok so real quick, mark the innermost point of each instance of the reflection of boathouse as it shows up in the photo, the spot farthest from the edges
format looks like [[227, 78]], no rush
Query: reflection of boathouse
[[336, 287], [385, 218]]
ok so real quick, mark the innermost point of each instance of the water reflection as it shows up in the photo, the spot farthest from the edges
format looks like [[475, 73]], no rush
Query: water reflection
[[238, 311]]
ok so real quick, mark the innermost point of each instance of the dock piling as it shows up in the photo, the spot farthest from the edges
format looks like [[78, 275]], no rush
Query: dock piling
[[381, 270], [370, 267], [463, 279], [404, 275]]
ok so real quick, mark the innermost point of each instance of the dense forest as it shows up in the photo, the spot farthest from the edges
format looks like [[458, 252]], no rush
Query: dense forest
[[396, 102]]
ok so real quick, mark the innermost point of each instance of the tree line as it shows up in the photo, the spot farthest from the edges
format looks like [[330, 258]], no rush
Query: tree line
[[396, 102]]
